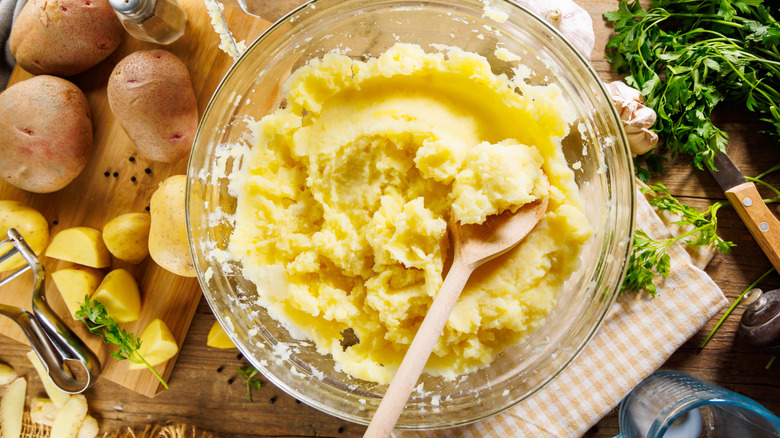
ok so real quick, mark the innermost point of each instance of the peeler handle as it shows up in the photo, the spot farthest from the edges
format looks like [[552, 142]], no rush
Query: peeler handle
[[51, 355], [53, 342]]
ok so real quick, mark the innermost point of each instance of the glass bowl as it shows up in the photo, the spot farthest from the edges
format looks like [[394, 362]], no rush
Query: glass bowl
[[596, 148]]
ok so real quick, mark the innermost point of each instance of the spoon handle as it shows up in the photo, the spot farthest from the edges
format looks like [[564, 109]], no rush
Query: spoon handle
[[405, 378]]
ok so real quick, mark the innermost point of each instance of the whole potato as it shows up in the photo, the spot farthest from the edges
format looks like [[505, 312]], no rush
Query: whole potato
[[45, 134], [64, 37], [168, 244], [151, 95], [127, 237], [30, 223]]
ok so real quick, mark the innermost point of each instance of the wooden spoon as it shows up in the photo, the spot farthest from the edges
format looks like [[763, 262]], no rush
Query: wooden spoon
[[473, 246]]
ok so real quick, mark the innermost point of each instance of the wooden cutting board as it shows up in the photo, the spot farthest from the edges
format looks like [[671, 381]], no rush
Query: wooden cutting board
[[117, 181]]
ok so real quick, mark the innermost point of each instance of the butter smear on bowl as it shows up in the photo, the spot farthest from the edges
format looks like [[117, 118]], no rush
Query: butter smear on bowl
[[343, 205]]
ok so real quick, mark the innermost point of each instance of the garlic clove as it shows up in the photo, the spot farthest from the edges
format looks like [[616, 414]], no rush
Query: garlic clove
[[636, 117], [620, 91], [642, 141], [574, 22]]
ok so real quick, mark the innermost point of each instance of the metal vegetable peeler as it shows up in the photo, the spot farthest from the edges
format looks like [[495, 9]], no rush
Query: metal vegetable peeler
[[54, 343]]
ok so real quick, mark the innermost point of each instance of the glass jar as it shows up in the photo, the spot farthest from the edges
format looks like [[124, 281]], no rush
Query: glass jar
[[156, 21]]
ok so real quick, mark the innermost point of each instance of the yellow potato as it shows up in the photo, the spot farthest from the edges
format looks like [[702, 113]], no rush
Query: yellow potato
[[168, 235], [29, 223], [127, 237], [12, 408], [118, 292], [157, 344], [218, 338], [82, 245], [76, 283]]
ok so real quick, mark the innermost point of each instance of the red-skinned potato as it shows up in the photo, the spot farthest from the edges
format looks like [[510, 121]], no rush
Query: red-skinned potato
[[151, 95], [45, 133], [64, 37]]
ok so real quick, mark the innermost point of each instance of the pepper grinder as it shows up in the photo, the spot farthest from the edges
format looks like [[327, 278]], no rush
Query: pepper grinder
[[156, 21], [760, 324]]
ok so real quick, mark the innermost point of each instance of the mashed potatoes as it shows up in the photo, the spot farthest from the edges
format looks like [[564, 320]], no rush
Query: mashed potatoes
[[343, 205]]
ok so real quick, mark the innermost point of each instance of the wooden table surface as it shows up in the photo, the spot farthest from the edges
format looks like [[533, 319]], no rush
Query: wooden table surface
[[207, 392]]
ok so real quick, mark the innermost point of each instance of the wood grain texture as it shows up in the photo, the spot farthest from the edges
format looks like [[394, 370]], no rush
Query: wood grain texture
[[117, 180], [207, 392]]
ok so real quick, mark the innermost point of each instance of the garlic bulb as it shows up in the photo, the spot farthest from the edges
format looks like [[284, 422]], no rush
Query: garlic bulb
[[637, 118], [573, 21]]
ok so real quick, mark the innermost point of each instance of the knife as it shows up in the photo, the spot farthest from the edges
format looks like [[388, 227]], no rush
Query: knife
[[750, 207]]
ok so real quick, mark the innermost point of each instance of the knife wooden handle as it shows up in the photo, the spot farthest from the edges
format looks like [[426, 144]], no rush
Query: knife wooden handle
[[761, 223]]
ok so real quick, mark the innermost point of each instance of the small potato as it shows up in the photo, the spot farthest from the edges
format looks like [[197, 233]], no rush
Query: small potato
[[151, 95], [29, 223], [82, 245], [119, 293], [127, 236], [76, 283], [64, 37], [45, 134], [157, 345], [168, 244]]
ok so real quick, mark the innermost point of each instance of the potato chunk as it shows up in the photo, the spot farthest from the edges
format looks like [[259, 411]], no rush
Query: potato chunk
[[157, 344], [127, 237], [119, 293], [76, 283], [218, 338], [29, 223], [82, 245]]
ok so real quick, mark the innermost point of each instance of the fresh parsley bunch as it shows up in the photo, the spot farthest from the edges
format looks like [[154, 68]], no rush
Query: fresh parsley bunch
[[687, 56]]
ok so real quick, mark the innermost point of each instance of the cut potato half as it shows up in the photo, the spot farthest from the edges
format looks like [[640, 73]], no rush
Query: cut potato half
[[77, 283], [81, 245]]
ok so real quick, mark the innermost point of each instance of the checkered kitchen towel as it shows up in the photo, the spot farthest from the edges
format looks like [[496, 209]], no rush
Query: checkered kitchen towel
[[637, 337]]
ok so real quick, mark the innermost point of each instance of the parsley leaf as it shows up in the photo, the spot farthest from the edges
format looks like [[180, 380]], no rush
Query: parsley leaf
[[251, 380], [650, 258], [98, 322], [686, 57]]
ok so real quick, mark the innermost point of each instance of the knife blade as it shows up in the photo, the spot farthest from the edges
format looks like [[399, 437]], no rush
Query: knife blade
[[750, 207]]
